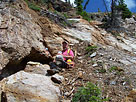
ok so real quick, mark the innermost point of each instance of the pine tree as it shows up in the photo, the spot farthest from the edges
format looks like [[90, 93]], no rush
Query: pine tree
[[86, 4], [80, 10], [99, 10], [79, 6], [126, 13]]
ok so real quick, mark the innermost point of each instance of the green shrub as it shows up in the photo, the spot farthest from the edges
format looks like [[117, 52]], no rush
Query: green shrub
[[56, 12], [117, 70], [44, 1], [89, 93], [99, 10], [91, 48], [65, 15], [58, 33], [80, 10], [113, 68], [102, 70], [32, 6], [85, 15], [27, 1], [126, 13], [79, 6]]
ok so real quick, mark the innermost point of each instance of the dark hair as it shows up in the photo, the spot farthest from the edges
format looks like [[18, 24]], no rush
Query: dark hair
[[66, 42]]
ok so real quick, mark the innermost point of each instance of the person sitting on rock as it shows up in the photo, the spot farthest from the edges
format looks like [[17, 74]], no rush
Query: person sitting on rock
[[64, 59], [68, 54]]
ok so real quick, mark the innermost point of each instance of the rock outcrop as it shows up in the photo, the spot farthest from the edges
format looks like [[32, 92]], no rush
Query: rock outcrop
[[26, 87], [84, 31], [20, 36], [36, 68]]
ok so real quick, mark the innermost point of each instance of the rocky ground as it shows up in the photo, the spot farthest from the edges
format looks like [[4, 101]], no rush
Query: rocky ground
[[24, 62], [104, 69]]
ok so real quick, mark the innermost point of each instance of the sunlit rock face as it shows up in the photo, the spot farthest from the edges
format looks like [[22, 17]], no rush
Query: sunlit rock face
[[19, 35], [26, 87]]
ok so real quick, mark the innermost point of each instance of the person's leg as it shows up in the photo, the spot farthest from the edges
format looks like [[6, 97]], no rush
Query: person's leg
[[64, 64], [60, 64], [52, 71], [52, 65], [53, 68]]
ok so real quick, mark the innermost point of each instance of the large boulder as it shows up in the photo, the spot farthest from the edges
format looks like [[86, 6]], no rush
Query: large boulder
[[26, 87], [37, 68]]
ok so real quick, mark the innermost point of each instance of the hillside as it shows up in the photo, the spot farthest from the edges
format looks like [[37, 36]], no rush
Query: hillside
[[105, 57]]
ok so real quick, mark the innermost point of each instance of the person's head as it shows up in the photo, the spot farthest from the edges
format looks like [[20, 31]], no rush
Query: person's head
[[65, 45]]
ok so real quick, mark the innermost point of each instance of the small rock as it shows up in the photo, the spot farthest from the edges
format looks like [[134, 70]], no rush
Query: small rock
[[113, 83], [33, 63], [120, 69], [132, 96], [103, 33], [119, 38], [80, 74], [105, 67], [104, 47], [110, 59], [101, 54], [79, 54], [93, 55], [57, 78], [123, 83], [80, 58], [66, 93], [63, 70], [95, 65], [106, 82], [81, 61], [90, 74], [66, 79]]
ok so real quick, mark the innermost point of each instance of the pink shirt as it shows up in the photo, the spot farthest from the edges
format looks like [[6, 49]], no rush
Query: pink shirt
[[68, 54]]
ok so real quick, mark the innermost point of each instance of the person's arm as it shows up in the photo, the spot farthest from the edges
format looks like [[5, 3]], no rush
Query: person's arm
[[70, 56]]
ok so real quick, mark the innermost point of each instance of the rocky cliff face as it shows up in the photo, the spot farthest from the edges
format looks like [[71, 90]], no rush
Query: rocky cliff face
[[20, 36], [24, 35]]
